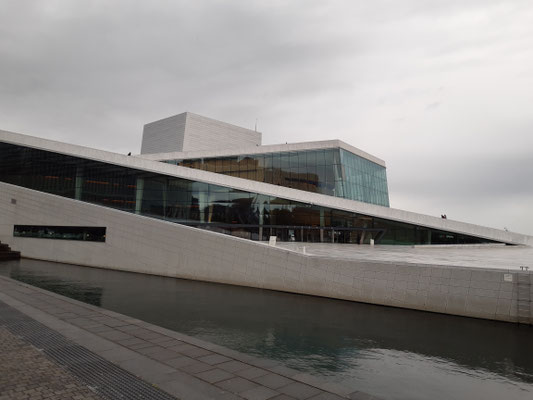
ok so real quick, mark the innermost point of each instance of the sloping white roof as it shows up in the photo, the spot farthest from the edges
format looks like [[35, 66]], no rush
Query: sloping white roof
[[267, 189]]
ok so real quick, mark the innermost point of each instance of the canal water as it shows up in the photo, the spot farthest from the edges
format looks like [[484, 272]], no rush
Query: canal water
[[387, 352]]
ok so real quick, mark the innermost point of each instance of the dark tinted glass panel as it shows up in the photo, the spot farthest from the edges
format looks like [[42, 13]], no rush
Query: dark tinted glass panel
[[84, 233]]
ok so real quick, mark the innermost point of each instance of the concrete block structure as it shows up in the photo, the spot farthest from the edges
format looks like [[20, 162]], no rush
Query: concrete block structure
[[190, 132], [208, 214]]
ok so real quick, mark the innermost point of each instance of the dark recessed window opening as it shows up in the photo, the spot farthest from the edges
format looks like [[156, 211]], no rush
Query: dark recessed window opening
[[84, 233]]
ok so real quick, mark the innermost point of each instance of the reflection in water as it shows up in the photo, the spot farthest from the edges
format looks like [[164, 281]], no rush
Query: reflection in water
[[76, 290], [389, 352]]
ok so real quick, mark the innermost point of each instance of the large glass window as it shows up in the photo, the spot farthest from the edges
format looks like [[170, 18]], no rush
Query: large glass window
[[218, 208], [334, 172]]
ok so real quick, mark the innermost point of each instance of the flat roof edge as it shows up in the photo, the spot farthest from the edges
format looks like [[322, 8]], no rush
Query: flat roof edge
[[269, 148], [201, 117]]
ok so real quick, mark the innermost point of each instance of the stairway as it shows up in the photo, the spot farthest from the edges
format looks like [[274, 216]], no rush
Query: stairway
[[7, 254], [524, 298]]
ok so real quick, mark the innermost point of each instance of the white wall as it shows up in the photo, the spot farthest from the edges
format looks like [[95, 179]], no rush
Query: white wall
[[191, 132], [145, 245], [164, 135]]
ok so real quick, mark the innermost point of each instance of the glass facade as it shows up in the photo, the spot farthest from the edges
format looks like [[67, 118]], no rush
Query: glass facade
[[222, 209], [363, 180], [334, 172], [84, 233]]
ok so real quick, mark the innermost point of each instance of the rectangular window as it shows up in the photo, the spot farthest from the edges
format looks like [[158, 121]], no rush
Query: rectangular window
[[84, 233]]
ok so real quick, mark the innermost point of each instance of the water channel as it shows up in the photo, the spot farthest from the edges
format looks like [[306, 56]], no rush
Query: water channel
[[387, 352]]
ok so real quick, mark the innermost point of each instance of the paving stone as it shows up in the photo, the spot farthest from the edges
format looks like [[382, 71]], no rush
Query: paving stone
[[163, 355], [144, 334], [173, 342], [299, 390], [282, 397], [195, 366], [180, 346], [237, 385], [213, 359], [160, 341], [118, 354], [272, 381], [130, 342], [112, 322], [83, 322], [150, 350], [264, 363], [215, 375], [283, 370], [259, 393], [145, 367], [65, 315], [190, 351], [326, 396], [157, 379], [179, 361], [114, 335], [252, 372], [316, 382], [141, 345], [127, 328], [234, 366], [196, 353], [98, 328], [190, 387]]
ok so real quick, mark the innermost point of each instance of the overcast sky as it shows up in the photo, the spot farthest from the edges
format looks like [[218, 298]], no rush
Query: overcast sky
[[441, 90]]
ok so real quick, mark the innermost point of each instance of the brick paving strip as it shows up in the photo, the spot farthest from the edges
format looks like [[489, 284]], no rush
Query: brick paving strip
[[180, 365], [25, 373]]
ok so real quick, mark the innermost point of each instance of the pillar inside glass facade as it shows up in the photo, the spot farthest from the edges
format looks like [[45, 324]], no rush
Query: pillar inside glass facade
[[362, 240], [261, 213], [79, 183], [139, 188], [322, 225], [202, 204]]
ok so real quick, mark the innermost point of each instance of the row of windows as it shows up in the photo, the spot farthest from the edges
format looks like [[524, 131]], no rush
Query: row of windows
[[200, 204], [282, 160], [334, 172], [394, 236]]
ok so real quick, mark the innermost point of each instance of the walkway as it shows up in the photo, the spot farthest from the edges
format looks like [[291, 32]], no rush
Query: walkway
[[75, 350], [478, 256]]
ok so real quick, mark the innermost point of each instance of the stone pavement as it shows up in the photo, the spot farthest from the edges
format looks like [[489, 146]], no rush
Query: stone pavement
[[179, 365], [25, 373], [478, 256]]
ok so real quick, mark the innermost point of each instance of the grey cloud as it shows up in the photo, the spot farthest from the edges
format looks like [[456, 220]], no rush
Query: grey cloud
[[476, 177], [440, 89], [433, 105]]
